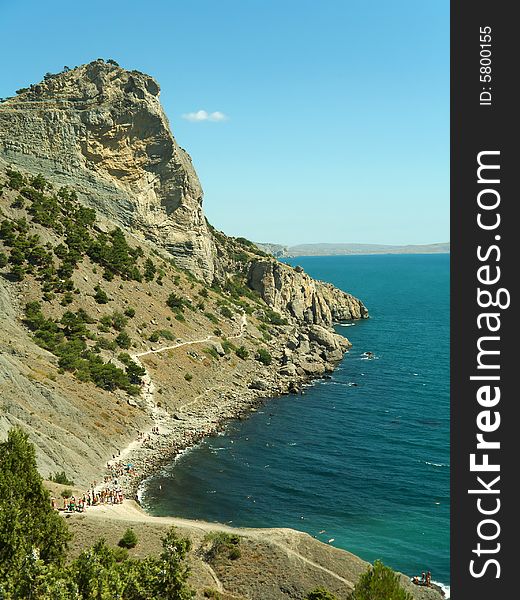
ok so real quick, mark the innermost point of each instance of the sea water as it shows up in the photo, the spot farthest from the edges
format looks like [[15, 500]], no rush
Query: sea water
[[361, 460]]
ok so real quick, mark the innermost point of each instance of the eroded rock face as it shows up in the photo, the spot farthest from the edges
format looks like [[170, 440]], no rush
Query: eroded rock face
[[292, 291], [102, 130]]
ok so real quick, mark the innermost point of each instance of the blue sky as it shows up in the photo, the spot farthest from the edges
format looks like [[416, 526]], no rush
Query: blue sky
[[332, 119]]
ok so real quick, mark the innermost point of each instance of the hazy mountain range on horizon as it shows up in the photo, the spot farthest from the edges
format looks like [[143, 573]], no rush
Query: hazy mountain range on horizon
[[331, 249]]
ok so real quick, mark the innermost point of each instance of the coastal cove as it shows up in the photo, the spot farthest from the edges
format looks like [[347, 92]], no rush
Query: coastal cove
[[361, 460]]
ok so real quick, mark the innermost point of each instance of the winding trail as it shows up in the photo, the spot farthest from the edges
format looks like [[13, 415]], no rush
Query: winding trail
[[160, 416]]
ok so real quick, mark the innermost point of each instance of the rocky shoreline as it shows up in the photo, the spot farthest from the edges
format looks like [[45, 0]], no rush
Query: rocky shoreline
[[184, 435], [301, 359]]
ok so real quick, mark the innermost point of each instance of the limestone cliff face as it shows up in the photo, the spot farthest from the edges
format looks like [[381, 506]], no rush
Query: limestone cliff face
[[102, 130], [292, 291]]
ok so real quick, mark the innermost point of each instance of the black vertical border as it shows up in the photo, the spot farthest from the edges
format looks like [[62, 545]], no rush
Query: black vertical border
[[476, 128]]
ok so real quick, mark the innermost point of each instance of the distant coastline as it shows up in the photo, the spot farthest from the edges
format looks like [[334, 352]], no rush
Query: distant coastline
[[330, 249]]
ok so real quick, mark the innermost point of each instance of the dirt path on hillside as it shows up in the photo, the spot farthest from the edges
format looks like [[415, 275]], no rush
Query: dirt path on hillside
[[160, 417]]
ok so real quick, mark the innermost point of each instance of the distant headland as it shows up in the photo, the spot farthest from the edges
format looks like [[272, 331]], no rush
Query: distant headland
[[282, 251]]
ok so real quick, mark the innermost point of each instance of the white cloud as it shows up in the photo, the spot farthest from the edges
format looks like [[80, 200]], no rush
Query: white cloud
[[203, 115]]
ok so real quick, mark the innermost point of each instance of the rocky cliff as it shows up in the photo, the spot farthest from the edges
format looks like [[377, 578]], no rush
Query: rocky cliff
[[134, 342], [102, 130], [293, 292]]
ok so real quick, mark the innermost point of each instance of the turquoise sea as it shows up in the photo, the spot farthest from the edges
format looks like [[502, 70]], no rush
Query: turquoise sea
[[363, 457]]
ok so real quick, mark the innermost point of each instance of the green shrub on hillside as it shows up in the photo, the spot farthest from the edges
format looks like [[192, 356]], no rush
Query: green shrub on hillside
[[149, 269], [75, 324], [242, 352], [61, 478], [226, 312], [116, 320], [228, 346], [17, 273], [101, 297], [264, 357], [123, 340], [120, 554], [129, 539], [67, 299], [15, 180], [18, 202], [221, 542], [175, 302], [134, 371], [161, 333], [379, 582], [103, 343]]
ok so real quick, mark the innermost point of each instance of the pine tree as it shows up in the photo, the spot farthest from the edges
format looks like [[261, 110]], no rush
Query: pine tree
[[30, 530], [380, 582]]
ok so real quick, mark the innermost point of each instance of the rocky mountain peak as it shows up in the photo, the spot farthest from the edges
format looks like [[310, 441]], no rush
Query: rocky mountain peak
[[102, 129], [98, 80]]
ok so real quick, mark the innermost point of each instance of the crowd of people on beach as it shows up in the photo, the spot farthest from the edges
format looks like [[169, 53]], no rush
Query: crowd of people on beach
[[90, 498], [123, 477]]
